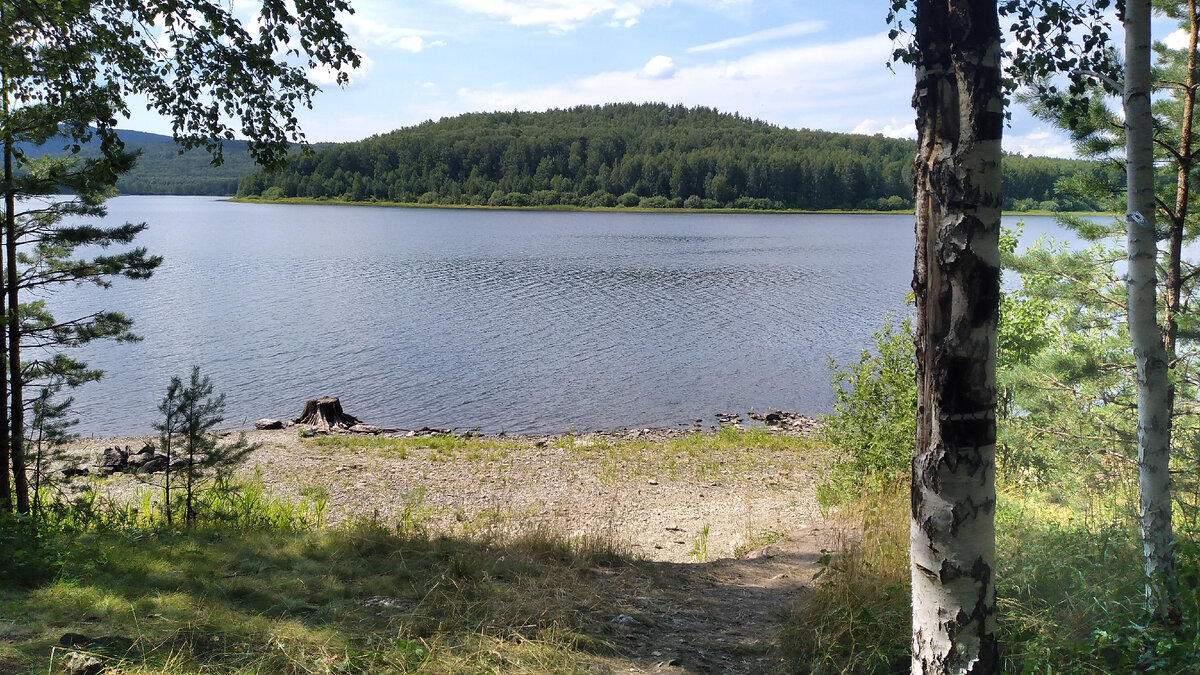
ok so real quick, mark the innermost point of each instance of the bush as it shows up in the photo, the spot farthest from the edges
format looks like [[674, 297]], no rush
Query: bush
[[27, 557], [656, 202], [871, 430], [598, 199], [693, 202], [628, 199], [273, 192], [894, 203], [546, 197]]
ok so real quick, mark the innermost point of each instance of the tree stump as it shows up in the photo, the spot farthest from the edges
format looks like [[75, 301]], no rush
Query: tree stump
[[326, 413]]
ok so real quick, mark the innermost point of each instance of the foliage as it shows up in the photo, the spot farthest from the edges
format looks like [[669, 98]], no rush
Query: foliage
[[651, 155], [874, 414], [50, 427], [28, 555], [1069, 588], [161, 168], [68, 73], [185, 436]]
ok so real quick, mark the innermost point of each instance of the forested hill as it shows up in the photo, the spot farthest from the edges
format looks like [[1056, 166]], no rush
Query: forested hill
[[649, 155], [162, 170]]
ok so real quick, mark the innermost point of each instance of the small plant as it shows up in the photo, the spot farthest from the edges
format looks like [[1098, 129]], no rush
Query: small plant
[[189, 415], [756, 540], [699, 550], [49, 429]]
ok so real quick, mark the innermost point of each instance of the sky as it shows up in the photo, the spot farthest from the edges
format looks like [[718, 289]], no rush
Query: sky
[[813, 64]]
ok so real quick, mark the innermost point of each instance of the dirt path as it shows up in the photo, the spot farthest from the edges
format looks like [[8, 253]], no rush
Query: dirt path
[[728, 537]]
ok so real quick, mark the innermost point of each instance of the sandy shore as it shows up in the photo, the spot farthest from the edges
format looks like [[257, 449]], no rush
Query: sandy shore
[[662, 502]]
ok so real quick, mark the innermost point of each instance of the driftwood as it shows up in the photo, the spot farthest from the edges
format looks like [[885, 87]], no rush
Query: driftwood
[[326, 413]]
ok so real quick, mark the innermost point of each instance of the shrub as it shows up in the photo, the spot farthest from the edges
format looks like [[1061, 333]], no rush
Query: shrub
[[656, 202], [628, 199], [871, 430], [599, 198], [27, 557]]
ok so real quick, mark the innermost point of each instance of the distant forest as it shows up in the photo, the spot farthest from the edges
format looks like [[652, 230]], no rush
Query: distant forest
[[162, 170], [644, 155]]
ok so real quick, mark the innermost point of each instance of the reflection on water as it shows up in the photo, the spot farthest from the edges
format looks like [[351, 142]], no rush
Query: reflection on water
[[517, 321]]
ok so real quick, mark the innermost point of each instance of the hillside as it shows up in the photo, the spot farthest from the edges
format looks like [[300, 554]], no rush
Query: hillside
[[648, 155], [163, 170]]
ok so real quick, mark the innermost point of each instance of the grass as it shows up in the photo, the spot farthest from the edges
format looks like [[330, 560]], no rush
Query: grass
[[264, 586], [435, 447], [1069, 591], [369, 597], [697, 455], [691, 456]]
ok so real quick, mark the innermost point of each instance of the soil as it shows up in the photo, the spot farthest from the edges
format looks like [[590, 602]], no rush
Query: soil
[[728, 539]]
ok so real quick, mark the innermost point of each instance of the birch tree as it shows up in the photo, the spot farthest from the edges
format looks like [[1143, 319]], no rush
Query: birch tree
[[960, 118], [1150, 355], [1098, 132]]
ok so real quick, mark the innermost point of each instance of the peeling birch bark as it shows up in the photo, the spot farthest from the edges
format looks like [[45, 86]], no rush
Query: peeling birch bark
[[957, 283]]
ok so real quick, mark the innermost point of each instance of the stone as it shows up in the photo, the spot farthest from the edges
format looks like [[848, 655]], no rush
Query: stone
[[112, 460], [267, 423], [140, 458], [386, 602], [73, 640], [156, 464], [75, 663], [626, 620]]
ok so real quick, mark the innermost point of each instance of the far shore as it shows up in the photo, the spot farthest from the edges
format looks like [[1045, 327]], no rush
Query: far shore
[[618, 209]]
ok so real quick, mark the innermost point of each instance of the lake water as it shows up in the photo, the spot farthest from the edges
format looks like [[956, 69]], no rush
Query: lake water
[[498, 320]]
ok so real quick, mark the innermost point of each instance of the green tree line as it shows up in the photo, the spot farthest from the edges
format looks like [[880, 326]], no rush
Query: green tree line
[[647, 155], [162, 168]]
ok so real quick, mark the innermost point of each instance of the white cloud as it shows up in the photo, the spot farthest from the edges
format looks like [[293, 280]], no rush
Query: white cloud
[[561, 15], [1039, 142], [823, 87], [777, 33], [327, 77], [893, 128], [365, 32], [1177, 40], [416, 43], [659, 68]]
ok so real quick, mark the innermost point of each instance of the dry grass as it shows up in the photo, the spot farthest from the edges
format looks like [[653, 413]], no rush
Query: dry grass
[[858, 619]]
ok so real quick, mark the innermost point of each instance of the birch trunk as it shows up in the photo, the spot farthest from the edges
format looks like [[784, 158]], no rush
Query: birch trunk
[[1150, 355], [957, 283]]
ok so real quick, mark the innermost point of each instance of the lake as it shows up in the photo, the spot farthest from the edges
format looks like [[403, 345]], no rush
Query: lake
[[498, 320]]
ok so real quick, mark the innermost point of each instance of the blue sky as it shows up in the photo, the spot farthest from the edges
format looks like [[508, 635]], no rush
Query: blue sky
[[818, 64]]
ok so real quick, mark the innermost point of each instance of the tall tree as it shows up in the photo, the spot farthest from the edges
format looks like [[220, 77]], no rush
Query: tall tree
[[67, 69], [1167, 126], [1150, 355], [960, 119]]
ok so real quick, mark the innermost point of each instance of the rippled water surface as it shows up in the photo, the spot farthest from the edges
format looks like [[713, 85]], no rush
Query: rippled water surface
[[518, 321]]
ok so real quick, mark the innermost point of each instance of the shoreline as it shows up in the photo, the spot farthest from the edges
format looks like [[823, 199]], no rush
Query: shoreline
[[308, 201], [654, 490], [793, 422]]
